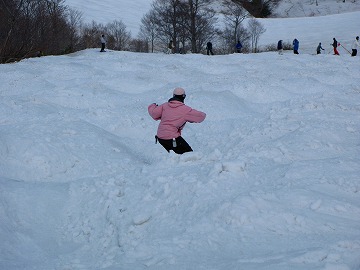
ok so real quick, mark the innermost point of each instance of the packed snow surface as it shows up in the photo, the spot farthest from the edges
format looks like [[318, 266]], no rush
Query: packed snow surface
[[272, 184]]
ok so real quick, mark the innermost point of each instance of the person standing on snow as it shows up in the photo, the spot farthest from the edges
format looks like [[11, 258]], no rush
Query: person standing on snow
[[296, 46], [209, 48], [238, 46], [171, 47], [103, 41], [335, 45], [354, 46], [280, 46], [319, 48], [173, 116]]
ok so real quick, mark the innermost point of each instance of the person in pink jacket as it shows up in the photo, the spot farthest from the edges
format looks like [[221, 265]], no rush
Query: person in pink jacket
[[173, 116]]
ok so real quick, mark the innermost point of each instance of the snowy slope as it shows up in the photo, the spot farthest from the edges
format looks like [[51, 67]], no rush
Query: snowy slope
[[310, 31], [273, 182], [131, 12], [308, 8]]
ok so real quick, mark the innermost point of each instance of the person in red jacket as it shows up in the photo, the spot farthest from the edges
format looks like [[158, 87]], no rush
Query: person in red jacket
[[173, 116], [335, 44]]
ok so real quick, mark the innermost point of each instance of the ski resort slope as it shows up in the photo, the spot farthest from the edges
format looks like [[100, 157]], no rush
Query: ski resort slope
[[312, 30], [272, 184], [306, 21]]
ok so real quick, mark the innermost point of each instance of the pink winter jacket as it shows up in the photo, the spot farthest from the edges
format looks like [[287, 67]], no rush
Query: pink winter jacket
[[173, 115]]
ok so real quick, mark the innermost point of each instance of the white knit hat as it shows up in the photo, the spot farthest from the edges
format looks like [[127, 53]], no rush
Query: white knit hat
[[179, 91]]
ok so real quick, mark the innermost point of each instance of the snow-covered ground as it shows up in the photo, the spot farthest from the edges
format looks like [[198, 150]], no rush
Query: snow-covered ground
[[310, 31], [273, 182], [309, 8], [131, 12]]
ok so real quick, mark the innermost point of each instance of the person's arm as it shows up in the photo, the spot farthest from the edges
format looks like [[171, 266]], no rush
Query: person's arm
[[194, 116], [155, 111]]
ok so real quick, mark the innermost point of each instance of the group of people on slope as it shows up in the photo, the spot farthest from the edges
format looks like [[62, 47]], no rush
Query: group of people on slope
[[209, 47], [280, 46], [355, 45], [171, 48]]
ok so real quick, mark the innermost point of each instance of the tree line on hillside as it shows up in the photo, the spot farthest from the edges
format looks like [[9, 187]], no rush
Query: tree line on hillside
[[191, 24], [31, 28]]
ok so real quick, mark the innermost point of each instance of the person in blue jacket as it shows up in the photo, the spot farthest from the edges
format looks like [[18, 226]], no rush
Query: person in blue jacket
[[296, 46], [319, 48], [238, 46]]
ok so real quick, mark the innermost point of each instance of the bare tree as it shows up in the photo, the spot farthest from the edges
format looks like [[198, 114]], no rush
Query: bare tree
[[57, 38], [10, 15], [228, 44], [74, 21], [148, 29], [28, 27], [201, 23], [167, 19], [234, 15], [91, 33], [182, 21], [256, 29], [118, 37], [139, 45]]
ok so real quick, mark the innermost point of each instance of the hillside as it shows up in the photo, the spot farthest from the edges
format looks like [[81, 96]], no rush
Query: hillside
[[272, 184], [308, 8], [131, 12]]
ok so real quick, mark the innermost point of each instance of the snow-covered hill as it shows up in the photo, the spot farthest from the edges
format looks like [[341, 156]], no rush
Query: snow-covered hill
[[131, 12], [272, 184], [309, 8], [309, 31]]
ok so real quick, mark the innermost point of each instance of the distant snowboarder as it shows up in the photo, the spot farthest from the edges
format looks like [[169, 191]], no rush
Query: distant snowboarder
[[173, 116], [170, 48], [280, 47], [319, 49], [209, 48], [296, 46], [354, 46], [335, 44], [103, 42]]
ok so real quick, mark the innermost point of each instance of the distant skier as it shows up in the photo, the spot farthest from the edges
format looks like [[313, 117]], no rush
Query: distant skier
[[103, 42], [280, 47], [171, 47], [296, 46], [173, 116], [354, 46], [319, 49], [238, 46], [335, 44], [209, 48]]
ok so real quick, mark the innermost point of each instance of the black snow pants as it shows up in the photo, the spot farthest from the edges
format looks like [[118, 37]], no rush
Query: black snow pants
[[178, 145]]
